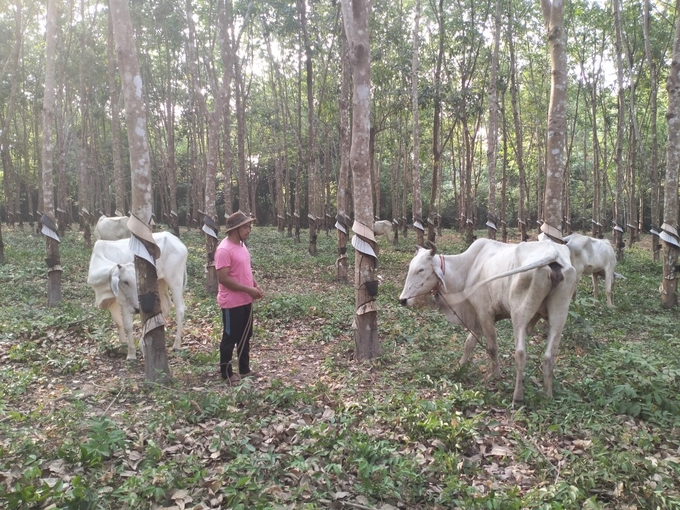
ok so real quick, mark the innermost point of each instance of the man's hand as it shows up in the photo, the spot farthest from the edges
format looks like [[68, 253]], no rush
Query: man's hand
[[256, 292]]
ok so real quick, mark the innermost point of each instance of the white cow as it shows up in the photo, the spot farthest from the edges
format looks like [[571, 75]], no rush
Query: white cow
[[115, 287], [171, 268], [110, 229], [596, 257], [382, 227], [491, 281]]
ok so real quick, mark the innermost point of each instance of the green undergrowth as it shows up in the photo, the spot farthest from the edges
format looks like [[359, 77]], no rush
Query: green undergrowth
[[79, 428]]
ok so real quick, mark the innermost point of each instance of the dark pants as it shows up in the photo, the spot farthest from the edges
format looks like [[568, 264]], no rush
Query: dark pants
[[236, 331]]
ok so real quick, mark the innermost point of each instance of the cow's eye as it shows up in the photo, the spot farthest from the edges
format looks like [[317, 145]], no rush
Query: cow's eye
[[124, 282]]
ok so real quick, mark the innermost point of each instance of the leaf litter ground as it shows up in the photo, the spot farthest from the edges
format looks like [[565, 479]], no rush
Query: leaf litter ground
[[312, 390]]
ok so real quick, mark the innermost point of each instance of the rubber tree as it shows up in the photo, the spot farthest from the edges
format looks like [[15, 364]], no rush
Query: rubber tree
[[142, 243], [355, 14], [669, 229], [48, 219], [553, 16]]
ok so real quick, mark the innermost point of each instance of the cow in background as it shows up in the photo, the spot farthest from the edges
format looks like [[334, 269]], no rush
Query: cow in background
[[111, 229], [591, 256], [382, 227], [171, 268], [595, 257], [491, 281]]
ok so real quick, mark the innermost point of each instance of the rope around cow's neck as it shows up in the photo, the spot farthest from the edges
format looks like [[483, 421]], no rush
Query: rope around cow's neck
[[436, 292]]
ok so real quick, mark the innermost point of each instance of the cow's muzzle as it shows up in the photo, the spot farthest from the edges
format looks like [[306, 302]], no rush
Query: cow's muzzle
[[403, 302]]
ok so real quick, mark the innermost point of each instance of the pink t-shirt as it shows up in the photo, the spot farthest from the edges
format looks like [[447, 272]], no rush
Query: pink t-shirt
[[237, 258]]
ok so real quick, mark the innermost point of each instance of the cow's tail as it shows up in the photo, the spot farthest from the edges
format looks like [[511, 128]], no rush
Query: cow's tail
[[463, 295]]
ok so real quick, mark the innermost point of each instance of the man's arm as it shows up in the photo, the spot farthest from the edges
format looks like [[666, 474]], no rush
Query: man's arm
[[224, 277]]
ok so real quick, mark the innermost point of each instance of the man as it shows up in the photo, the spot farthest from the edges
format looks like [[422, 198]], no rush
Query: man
[[236, 292]]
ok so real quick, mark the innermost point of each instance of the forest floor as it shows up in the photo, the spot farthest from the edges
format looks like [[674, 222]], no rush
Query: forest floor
[[80, 427]]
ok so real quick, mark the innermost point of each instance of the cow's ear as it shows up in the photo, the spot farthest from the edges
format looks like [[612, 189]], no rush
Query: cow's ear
[[115, 277], [433, 248], [114, 285]]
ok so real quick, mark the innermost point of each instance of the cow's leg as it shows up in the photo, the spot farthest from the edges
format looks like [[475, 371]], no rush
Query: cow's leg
[[608, 286], [492, 348], [470, 343], [178, 301], [124, 323], [531, 327], [596, 287], [519, 330], [558, 313]]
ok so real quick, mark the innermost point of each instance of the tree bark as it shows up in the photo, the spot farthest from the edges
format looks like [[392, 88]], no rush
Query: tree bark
[[417, 201], [553, 15], [618, 197], [52, 244], [519, 140], [671, 244], [84, 181], [279, 141], [312, 170], [654, 149], [116, 145], [436, 125], [345, 148], [243, 189], [4, 125], [492, 135], [157, 369], [355, 17]]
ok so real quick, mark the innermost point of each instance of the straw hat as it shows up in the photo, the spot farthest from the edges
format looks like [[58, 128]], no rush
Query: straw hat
[[238, 219]]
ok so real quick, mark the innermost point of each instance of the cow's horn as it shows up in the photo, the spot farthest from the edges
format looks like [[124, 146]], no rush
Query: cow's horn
[[433, 247]]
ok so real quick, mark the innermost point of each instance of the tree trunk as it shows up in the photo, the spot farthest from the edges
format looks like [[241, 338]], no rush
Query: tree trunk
[[4, 125], [210, 224], [170, 165], [436, 122], [312, 170], [492, 135], [49, 228], [84, 181], [618, 198], [519, 155], [654, 149], [669, 232], [116, 146], [553, 15], [367, 344], [243, 190], [504, 179], [279, 141], [298, 164], [142, 244], [345, 148], [417, 201]]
